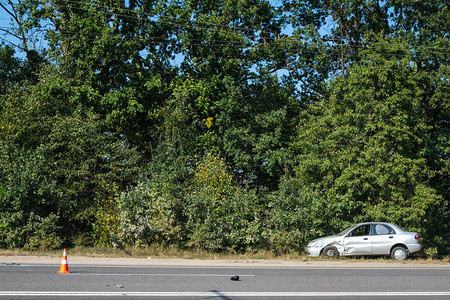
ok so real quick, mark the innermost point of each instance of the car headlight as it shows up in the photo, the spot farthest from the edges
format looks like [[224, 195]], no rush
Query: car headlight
[[315, 244]]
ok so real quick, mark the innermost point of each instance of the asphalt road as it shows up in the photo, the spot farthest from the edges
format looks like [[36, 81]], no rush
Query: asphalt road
[[335, 281]]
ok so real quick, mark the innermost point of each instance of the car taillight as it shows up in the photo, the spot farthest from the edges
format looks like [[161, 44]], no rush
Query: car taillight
[[416, 237]]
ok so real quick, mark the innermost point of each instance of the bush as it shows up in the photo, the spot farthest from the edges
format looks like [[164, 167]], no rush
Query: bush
[[28, 199], [36, 233], [148, 215], [221, 216], [42, 233], [295, 215]]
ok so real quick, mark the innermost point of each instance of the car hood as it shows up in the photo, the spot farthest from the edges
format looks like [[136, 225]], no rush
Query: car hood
[[328, 239]]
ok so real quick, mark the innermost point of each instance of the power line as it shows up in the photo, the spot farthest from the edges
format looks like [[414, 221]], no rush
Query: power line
[[271, 41], [190, 24], [291, 42], [237, 44]]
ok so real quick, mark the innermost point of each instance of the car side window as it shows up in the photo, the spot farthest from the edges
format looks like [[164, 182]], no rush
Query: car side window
[[361, 230], [383, 229]]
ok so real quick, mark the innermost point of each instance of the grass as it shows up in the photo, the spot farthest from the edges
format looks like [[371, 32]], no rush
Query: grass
[[155, 252], [172, 253]]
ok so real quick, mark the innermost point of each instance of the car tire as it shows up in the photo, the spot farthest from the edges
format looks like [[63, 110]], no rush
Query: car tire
[[399, 253], [330, 251]]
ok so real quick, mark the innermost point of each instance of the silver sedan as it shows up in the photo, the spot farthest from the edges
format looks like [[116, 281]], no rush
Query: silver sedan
[[373, 238]]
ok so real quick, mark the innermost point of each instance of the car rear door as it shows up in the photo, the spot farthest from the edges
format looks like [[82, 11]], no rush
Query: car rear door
[[358, 241], [383, 238]]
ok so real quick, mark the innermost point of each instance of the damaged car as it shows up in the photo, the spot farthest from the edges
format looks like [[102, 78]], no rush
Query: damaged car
[[374, 238]]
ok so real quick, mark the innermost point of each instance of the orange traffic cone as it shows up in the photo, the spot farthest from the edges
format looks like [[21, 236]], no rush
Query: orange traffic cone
[[64, 267]]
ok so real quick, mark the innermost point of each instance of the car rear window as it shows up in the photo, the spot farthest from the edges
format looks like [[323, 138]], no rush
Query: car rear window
[[381, 229]]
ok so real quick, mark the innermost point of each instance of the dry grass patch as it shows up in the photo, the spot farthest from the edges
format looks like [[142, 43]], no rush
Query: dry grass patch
[[174, 253]]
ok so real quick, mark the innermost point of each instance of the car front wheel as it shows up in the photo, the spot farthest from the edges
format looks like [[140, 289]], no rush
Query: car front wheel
[[399, 253], [330, 251]]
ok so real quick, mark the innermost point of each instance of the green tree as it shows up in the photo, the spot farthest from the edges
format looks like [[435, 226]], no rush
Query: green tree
[[327, 36], [9, 67], [220, 215], [91, 165], [228, 98], [28, 201], [84, 164], [119, 49], [293, 216], [24, 31], [151, 213], [365, 150]]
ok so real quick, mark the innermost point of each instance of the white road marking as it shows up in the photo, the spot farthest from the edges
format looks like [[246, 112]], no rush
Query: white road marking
[[268, 267], [224, 294], [156, 274]]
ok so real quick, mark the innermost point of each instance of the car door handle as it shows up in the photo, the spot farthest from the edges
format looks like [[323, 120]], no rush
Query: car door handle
[[391, 237], [366, 239]]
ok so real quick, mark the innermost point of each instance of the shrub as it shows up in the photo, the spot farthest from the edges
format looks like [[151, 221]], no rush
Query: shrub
[[149, 214], [220, 215]]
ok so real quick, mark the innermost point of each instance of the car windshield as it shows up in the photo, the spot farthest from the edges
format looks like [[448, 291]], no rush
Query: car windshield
[[345, 231]]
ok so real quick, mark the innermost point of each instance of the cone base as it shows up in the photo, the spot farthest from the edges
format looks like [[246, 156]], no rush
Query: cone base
[[64, 269]]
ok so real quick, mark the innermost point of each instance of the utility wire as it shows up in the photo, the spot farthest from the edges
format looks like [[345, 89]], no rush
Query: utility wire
[[291, 41], [287, 41], [261, 34], [237, 44]]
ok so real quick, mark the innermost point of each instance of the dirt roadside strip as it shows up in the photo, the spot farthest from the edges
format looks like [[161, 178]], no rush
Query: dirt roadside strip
[[342, 263]]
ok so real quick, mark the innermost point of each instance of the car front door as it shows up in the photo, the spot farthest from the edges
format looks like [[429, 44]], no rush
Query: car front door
[[383, 239], [358, 241]]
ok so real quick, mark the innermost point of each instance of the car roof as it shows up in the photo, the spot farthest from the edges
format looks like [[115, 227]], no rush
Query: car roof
[[384, 223]]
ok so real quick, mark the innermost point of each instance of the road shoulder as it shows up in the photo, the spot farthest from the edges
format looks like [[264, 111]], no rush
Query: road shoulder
[[149, 261]]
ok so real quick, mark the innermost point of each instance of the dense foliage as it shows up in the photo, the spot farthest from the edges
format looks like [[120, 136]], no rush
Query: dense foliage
[[229, 126]]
